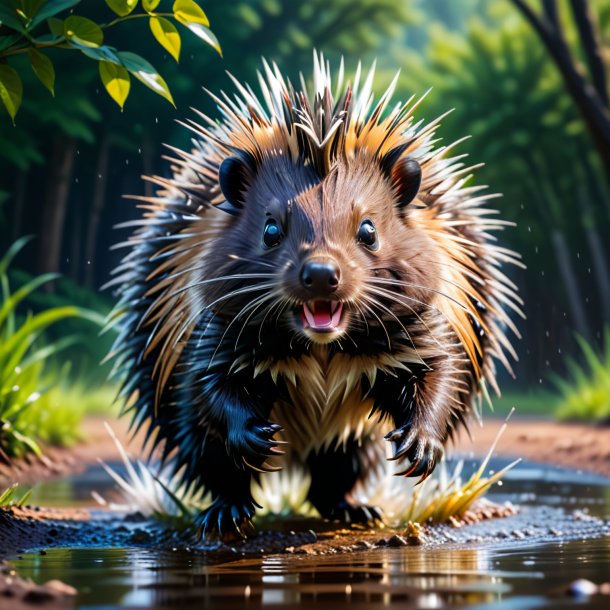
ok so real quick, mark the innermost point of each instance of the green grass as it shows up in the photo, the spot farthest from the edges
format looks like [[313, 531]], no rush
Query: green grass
[[9, 497], [37, 399], [532, 402], [586, 395]]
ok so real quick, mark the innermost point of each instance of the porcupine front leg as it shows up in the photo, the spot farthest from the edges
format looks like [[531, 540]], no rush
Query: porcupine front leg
[[233, 407], [424, 407], [228, 465]]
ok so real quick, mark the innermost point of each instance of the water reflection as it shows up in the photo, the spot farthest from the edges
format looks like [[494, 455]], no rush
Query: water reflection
[[513, 574], [405, 578]]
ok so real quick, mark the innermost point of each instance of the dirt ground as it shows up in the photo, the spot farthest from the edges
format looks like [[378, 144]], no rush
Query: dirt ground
[[578, 446], [571, 445], [27, 529]]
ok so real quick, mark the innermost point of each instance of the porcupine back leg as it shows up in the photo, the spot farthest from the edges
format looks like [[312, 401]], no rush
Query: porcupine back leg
[[334, 473]]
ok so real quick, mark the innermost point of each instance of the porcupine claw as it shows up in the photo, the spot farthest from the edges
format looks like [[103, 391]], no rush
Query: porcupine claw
[[355, 514], [224, 520], [254, 443], [422, 453]]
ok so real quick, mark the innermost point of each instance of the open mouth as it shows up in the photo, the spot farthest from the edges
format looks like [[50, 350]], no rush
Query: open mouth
[[322, 316]]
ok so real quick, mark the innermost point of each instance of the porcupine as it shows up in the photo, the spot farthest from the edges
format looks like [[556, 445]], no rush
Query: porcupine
[[313, 261]]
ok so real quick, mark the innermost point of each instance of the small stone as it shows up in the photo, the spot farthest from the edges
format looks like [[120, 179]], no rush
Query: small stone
[[39, 595], [61, 588], [581, 588], [396, 541]]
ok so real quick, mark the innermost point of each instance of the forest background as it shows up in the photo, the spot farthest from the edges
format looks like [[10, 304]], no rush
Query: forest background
[[526, 80]]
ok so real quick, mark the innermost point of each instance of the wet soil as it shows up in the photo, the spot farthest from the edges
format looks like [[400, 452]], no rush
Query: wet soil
[[555, 512]]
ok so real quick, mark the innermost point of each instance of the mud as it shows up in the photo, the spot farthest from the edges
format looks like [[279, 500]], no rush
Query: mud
[[30, 530]]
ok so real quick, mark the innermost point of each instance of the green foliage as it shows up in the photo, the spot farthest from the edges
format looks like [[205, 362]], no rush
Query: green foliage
[[9, 498], [24, 378], [22, 32], [586, 395]]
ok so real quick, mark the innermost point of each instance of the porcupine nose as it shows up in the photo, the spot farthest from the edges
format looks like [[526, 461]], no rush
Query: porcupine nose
[[320, 276]]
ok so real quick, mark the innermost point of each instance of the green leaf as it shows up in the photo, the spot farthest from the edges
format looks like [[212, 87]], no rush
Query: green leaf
[[122, 7], [103, 53], [8, 41], [8, 17], [10, 303], [188, 11], [56, 26], [146, 74], [167, 35], [11, 90], [12, 252], [50, 9], [84, 31], [150, 5], [205, 34], [30, 7], [43, 68], [116, 80]]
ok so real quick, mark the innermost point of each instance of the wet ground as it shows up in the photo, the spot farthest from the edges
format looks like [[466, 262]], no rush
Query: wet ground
[[525, 561]]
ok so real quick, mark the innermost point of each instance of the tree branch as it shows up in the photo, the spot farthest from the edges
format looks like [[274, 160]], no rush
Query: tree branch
[[590, 42], [593, 110]]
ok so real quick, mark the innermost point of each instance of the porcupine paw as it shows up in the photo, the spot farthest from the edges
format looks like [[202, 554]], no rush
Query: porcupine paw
[[225, 520], [421, 452], [360, 514], [252, 443]]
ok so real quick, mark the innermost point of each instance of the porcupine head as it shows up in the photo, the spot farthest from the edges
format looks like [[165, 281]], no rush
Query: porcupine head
[[327, 263]]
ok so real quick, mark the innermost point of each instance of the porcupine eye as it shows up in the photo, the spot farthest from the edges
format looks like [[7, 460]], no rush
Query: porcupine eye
[[272, 235], [367, 234]]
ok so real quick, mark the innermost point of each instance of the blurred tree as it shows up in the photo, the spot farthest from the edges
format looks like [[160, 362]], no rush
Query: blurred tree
[[591, 95], [128, 144], [538, 153]]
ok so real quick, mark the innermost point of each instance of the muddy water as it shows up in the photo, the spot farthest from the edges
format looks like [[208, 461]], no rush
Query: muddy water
[[503, 574]]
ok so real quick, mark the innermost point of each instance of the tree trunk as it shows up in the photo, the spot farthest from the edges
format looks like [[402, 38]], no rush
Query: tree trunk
[[97, 205], [566, 269], [600, 269], [148, 165], [595, 114], [53, 213], [19, 205], [76, 257]]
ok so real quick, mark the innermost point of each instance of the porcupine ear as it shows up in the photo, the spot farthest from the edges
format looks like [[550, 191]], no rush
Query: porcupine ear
[[234, 174], [405, 174]]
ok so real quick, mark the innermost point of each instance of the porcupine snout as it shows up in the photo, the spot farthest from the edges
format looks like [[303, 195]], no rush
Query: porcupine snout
[[320, 276]]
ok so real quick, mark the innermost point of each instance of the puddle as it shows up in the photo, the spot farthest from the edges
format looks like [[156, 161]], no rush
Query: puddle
[[519, 577], [510, 574]]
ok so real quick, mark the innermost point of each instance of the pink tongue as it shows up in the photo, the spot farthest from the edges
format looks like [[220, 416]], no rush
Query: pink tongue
[[321, 313]]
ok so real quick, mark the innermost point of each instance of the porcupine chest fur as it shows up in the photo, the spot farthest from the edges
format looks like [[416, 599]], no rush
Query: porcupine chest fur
[[326, 399]]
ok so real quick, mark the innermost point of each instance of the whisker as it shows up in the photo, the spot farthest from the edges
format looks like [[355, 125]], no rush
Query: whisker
[[208, 306], [380, 280], [370, 310], [222, 278], [253, 303], [397, 299], [388, 310]]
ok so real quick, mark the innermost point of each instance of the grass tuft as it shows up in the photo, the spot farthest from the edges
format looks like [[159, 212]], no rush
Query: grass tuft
[[586, 396], [37, 402], [439, 499], [9, 498]]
